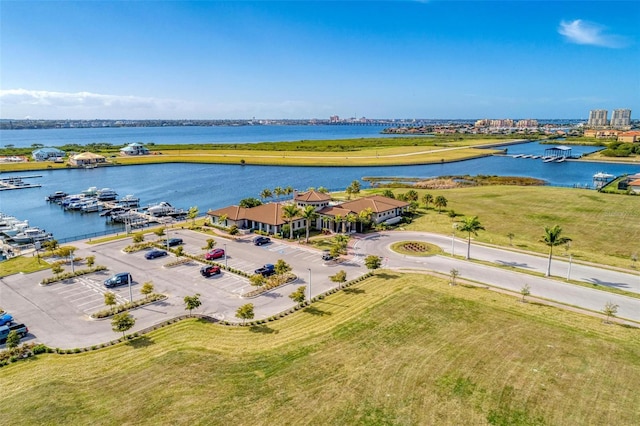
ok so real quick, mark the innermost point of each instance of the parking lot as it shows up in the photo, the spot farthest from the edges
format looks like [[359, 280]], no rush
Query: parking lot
[[59, 314]]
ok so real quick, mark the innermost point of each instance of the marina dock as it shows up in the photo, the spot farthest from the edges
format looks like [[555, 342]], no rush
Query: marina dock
[[17, 182]]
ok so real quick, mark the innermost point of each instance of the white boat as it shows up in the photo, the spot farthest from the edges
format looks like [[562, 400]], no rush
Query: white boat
[[12, 226], [92, 191], [91, 206], [161, 209], [106, 194], [31, 235], [58, 195], [129, 201]]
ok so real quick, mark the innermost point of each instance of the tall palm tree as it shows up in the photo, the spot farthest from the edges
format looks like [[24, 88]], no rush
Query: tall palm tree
[[552, 238], [266, 193], [365, 217], [471, 225], [288, 190], [351, 219], [337, 219], [426, 199], [440, 202], [278, 192], [289, 211], [309, 214]]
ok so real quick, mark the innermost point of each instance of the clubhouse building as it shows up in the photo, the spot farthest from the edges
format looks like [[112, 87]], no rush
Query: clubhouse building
[[335, 217]]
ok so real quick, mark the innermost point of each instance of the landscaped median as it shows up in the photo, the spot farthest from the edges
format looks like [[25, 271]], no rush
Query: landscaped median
[[106, 313]]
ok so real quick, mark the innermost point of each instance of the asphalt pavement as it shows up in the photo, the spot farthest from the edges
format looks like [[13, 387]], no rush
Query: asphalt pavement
[[59, 314]]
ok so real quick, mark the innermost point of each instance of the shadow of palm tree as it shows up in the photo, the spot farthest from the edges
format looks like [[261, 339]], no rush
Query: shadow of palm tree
[[386, 276], [353, 290], [315, 311], [262, 329], [140, 342]]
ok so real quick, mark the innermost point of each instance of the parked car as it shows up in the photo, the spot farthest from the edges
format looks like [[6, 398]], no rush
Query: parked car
[[214, 254], [209, 270], [261, 240], [155, 253], [119, 279], [5, 319], [327, 256], [266, 270], [171, 242], [21, 329]]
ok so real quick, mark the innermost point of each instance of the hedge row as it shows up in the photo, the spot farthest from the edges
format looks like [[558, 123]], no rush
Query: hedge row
[[105, 313], [68, 275]]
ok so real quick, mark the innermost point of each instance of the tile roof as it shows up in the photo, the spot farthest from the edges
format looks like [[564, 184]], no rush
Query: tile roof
[[312, 195], [270, 213], [232, 212], [377, 204], [635, 182]]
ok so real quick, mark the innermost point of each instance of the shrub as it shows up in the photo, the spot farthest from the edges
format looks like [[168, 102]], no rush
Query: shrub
[[39, 349]]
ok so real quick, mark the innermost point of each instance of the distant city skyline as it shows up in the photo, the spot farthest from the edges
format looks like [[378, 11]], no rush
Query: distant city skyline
[[301, 60]]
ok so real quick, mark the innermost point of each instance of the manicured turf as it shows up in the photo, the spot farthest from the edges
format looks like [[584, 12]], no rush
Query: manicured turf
[[24, 264], [396, 349], [605, 228]]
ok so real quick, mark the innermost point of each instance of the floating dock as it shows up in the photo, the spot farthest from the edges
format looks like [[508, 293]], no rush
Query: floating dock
[[17, 182]]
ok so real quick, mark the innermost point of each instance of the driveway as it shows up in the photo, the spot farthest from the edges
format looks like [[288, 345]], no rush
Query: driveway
[[59, 314], [552, 289]]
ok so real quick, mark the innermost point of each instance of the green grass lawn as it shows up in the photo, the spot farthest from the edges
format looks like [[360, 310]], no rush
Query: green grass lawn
[[605, 228], [395, 349], [26, 264]]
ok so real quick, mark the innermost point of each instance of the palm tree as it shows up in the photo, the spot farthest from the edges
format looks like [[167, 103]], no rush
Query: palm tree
[[365, 217], [471, 225], [309, 213], [288, 190], [440, 202], [290, 211], [426, 199], [266, 193], [351, 219], [552, 238], [339, 221], [278, 192]]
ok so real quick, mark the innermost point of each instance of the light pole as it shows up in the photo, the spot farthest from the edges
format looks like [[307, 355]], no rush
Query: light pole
[[453, 236], [309, 285], [167, 232], [225, 256], [569, 271], [130, 292]]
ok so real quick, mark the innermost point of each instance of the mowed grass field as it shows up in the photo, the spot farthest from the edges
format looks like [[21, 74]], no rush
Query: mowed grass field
[[394, 349], [604, 228]]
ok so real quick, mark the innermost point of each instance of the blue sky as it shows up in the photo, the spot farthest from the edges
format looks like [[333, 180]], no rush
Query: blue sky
[[299, 59]]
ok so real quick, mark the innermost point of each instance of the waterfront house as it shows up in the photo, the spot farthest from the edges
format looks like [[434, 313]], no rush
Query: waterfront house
[[44, 154], [135, 148], [311, 198], [266, 217], [629, 137], [86, 159], [382, 210], [634, 186]]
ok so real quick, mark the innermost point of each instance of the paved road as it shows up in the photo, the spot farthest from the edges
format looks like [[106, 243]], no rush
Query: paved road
[[59, 314], [552, 289]]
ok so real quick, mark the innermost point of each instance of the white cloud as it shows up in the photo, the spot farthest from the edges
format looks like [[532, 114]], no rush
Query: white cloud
[[42, 104], [589, 33], [82, 104]]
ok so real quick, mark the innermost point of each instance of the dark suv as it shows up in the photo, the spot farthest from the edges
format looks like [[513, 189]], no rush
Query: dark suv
[[261, 240], [122, 278]]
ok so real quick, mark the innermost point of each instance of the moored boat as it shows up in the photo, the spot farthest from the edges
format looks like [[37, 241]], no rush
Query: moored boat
[[106, 194], [31, 235]]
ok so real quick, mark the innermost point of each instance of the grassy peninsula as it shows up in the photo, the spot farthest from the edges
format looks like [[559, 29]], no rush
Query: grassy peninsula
[[395, 349], [348, 152]]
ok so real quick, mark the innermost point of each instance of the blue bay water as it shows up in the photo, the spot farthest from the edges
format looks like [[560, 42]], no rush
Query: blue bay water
[[118, 136], [211, 186]]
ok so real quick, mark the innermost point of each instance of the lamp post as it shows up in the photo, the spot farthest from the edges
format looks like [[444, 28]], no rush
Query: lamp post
[[130, 292], [225, 256], [569, 270], [453, 238], [309, 284]]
